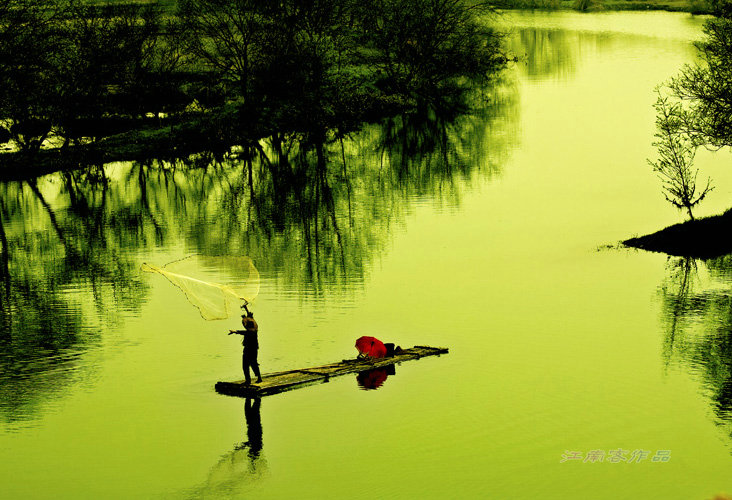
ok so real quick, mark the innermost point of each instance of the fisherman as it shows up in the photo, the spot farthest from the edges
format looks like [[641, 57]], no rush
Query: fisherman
[[251, 346]]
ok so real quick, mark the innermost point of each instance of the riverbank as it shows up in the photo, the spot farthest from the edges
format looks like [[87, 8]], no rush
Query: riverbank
[[702, 238], [166, 142], [180, 138], [695, 7], [691, 6]]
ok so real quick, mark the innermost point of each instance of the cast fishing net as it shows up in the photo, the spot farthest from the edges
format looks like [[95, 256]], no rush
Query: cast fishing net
[[213, 300]]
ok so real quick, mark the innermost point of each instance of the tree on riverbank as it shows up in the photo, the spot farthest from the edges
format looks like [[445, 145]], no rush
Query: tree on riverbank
[[325, 61], [112, 65], [30, 48], [72, 69], [676, 153], [697, 113], [429, 47]]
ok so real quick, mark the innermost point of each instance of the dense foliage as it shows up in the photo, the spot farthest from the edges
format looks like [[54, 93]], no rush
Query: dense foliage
[[238, 69], [706, 87]]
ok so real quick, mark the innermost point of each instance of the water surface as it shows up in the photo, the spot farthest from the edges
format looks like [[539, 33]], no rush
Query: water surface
[[488, 235]]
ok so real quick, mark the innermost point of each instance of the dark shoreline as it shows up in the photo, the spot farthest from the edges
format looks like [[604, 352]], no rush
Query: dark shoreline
[[171, 141], [216, 132], [704, 238]]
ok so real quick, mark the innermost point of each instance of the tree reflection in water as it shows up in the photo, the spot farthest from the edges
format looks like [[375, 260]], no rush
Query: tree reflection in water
[[551, 52], [698, 315], [311, 209], [58, 260]]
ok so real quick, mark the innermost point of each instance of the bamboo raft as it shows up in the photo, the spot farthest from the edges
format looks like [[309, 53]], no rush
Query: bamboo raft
[[274, 383]]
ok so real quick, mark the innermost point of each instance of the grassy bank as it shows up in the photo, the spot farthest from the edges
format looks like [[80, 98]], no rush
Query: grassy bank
[[703, 238]]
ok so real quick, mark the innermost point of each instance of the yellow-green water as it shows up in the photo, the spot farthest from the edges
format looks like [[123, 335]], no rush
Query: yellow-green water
[[497, 249]]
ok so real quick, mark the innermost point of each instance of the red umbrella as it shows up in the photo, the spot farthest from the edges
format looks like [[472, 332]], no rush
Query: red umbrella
[[371, 346]]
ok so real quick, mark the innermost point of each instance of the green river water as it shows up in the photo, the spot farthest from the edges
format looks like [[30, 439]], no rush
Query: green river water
[[577, 369]]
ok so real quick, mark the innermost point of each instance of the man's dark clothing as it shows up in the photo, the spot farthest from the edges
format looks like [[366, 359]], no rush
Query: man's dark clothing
[[251, 348]]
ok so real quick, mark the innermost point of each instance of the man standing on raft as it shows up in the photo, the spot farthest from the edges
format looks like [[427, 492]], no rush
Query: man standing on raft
[[251, 346]]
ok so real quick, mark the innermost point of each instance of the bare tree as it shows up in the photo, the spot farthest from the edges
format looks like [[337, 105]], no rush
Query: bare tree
[[676, 151], [224, 35]]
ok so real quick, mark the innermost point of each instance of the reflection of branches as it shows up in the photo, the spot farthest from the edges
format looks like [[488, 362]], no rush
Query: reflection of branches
[[681, 274], [51, 215], [699, 330], [431, 153], [346, 180], [44, 251], [4, 261], [549, 52], [145, 201]]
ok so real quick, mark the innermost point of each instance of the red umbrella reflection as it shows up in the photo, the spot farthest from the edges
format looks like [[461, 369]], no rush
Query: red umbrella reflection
[[372, 379], [371, 346]]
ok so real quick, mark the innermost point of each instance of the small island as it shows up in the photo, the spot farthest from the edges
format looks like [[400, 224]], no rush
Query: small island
[[704, 238]]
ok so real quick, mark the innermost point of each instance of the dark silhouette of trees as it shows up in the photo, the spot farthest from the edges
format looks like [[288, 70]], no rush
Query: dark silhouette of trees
[[67, 67], [230, 72], [706, 87], [225, 38], [30, 48], [313, 64], [430, 47], [106, 50]]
